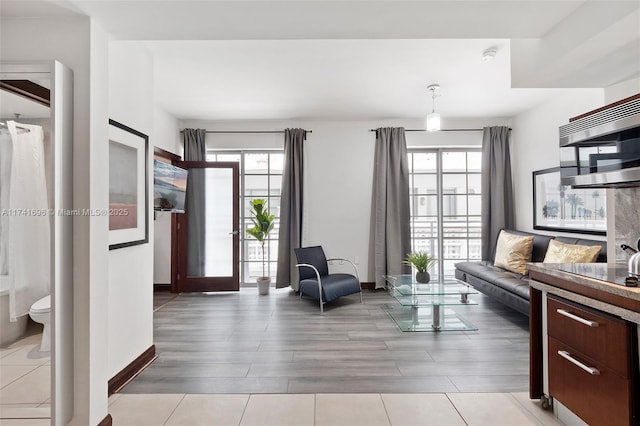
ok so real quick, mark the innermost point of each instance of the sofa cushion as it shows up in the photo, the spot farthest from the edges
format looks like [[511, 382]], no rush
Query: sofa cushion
[[509, 281], [514, 285], [513, 252], [559, 252], [602, 256], [485, 270], [540, 243]]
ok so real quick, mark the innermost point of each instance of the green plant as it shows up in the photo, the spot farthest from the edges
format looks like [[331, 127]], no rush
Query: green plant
[[420, 260], [263, 223]]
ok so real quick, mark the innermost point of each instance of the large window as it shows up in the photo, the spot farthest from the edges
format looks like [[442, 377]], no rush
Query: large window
[[260, 177], [445, 205]]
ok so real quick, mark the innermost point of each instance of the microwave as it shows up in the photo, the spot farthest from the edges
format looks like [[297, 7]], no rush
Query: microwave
[[601, 149]]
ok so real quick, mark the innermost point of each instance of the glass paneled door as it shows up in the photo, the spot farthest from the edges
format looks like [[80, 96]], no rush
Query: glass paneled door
[[208, 235]]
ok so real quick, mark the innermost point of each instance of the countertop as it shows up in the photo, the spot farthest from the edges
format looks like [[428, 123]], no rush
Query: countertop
[[598, 293], [603, 282]]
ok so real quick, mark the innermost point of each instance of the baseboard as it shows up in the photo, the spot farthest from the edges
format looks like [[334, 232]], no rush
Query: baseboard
[[161, 287], [107, 421], [136, 366], [368, 286]]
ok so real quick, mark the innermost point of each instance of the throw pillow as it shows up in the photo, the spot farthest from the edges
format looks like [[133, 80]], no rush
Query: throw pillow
[[570, 253], [513, 252]]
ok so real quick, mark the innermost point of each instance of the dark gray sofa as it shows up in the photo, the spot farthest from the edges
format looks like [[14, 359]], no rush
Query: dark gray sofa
[[508, 287]]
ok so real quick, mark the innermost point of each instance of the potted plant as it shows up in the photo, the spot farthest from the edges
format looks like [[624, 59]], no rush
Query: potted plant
[[263, 223], [422, 262]]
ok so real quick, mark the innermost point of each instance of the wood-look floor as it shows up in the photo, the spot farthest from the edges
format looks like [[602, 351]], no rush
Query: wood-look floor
[[246, 343]]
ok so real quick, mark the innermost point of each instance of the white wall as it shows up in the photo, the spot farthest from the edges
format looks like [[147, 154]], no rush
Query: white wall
[[130, 302], [534, 145], [338, 173], [80, 45], [621, 90], [96, 310]]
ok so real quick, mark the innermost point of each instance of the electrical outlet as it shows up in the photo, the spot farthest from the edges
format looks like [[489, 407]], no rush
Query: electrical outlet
[[356, 259]]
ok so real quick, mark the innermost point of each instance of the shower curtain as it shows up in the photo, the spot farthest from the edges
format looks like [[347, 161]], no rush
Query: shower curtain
[[5, 178], [29, 240]]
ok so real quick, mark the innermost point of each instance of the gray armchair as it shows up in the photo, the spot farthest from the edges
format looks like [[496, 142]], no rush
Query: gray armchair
[[317, 282]]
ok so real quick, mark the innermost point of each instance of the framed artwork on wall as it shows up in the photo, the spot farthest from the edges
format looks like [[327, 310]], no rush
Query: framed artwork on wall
[[128, 186], [558, 207]]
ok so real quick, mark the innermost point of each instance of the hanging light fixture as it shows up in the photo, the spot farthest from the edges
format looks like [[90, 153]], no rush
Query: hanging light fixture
[[433, 119]]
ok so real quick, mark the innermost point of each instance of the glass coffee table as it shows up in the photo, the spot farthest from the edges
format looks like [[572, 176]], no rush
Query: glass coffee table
[[424, 307]]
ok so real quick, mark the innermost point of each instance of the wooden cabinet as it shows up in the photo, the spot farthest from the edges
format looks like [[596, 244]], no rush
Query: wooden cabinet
[[590, 363], [599, 336]]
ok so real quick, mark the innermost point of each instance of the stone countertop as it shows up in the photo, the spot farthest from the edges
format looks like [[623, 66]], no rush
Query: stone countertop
[[602, 283]]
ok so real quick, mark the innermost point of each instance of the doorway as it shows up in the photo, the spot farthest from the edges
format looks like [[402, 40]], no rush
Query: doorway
[[208, 236], [38, 96]]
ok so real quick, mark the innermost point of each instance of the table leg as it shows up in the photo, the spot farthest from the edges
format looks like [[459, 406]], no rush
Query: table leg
[[435, 322], [415, 319]]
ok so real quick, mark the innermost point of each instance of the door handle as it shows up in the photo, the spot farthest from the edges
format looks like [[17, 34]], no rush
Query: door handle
[[234, 233]]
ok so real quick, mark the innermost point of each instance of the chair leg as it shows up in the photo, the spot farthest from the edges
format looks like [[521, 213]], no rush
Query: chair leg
[[360, 295], [321, 307]]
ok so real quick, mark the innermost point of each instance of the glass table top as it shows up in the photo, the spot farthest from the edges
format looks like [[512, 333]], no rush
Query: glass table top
[[406, 285]]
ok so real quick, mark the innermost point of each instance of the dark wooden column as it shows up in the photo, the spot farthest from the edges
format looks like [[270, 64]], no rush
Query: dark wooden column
[[535, 344]]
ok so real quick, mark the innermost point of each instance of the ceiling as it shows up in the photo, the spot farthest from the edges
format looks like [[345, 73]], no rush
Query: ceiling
[[336, 79], [351, 60]]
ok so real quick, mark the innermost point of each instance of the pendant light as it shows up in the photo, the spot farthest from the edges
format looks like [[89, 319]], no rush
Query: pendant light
[[433, 119]]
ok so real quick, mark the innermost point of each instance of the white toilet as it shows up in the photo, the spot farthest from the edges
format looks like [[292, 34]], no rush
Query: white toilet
[[41, 313]]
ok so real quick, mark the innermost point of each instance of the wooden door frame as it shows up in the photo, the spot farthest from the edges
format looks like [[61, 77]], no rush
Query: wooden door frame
[[178, 282]]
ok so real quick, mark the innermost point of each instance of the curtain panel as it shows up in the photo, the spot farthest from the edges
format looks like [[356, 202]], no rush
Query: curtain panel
[[195, 149], [290, 236], [391, 217], [496, 187]]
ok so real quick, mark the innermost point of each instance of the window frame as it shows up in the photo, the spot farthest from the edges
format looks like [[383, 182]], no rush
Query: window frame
[[468, 237]]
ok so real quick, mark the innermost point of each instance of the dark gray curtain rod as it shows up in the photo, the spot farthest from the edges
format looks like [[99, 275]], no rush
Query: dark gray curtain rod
[[247, 131], [441, 130]]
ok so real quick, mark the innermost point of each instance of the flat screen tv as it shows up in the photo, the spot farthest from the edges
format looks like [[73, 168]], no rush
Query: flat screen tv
[[169, 187]]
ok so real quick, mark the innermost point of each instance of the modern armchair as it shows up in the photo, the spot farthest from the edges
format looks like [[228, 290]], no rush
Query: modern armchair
[[317, 282]]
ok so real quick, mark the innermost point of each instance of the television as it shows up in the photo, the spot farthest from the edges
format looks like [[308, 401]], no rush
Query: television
[[169, 187]]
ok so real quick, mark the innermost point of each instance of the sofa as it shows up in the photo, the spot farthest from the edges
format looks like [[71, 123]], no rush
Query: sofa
[[512, 288]]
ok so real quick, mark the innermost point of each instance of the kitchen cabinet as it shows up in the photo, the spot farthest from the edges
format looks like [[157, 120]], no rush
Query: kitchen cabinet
[[580, 359], [584, 347]]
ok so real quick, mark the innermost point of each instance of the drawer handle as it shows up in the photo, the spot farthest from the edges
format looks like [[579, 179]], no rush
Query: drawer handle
[[577, 318], [568, 357]]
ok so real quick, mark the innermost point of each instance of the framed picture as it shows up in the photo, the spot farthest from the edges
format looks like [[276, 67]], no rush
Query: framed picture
[[558, 207], [128, 186]]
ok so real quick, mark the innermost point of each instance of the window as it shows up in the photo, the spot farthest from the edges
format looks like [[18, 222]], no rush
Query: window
[[445, 205], [260, 177]]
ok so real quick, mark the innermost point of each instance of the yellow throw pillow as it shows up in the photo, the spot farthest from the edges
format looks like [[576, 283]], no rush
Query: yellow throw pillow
[[513, 252], [570, 253]]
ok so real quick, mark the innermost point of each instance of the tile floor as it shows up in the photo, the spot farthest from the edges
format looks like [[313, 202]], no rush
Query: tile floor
[[25, 383], [371, 409], [25, 387]]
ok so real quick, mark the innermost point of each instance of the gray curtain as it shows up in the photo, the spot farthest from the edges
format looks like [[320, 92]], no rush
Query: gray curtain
[[497, 188], [391, 235], [195, 150], [290, 235]]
